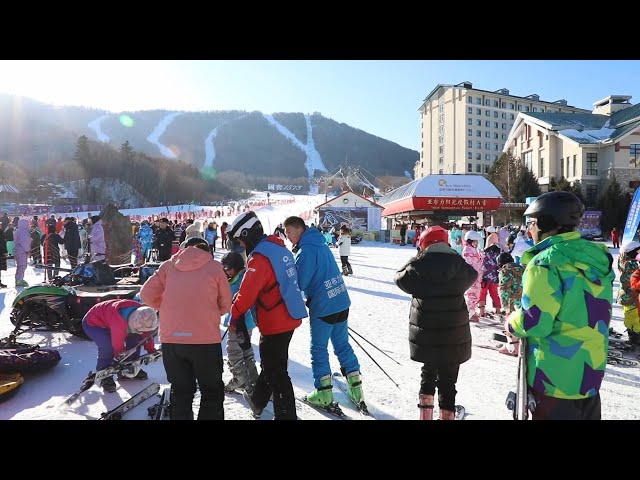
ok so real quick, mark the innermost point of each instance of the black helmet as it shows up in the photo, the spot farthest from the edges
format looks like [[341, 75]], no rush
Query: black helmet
[[233, 260], [246, 227], [556, 209], [504, 258]]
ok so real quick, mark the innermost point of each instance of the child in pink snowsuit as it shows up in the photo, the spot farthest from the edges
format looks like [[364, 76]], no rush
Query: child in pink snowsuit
[[473, 257], [21, 250]]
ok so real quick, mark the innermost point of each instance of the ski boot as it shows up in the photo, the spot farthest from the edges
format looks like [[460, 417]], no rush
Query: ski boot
[[240, 377], [354, 382], [133, 375], [634, 338], [323, 395], [426, 407], [447, 415], [255, 410], [108, 384]]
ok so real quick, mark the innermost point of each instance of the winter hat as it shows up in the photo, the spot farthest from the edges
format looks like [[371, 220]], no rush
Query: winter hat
[[433, 235], [504, 258], [143, 319]]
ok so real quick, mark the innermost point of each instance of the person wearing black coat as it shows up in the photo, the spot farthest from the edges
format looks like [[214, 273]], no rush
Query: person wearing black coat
[[51, 244], [163, 240], [439, 333], [72, 240]]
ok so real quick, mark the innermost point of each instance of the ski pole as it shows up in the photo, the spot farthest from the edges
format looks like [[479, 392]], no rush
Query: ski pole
[[383, 370], [382, 351]]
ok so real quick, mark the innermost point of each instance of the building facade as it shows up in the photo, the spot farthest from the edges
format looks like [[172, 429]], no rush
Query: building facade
[[464, 130], [581, 147]]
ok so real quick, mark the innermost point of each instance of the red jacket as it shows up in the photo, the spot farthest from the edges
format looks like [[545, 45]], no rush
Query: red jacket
[[614, 234], [107, 315], [259, 288]]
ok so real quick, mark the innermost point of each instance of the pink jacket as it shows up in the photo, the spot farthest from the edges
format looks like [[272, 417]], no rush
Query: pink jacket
[[192, 292], [109, 314]]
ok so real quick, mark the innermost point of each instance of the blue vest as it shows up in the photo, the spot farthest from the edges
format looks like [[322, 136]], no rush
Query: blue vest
[[281, 260]]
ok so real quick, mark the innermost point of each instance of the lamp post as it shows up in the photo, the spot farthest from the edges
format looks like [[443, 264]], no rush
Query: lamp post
[[268, 198]]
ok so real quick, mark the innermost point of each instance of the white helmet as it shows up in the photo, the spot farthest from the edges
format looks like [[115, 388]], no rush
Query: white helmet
[[491, 229], [472, 235], [630, 246]]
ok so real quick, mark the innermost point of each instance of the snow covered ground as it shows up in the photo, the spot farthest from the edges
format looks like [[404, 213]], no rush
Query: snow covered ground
[[379, 312]]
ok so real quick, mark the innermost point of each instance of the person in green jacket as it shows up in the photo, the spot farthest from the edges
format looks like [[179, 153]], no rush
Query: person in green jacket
[[565, 311]]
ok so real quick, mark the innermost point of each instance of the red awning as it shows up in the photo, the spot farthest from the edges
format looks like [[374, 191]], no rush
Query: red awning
[[443, 192]]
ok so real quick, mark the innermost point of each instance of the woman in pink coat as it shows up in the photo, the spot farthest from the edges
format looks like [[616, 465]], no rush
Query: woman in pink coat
[[473, 257]]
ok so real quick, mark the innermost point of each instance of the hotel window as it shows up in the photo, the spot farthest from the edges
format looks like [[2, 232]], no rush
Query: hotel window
[[535, 109], [470, 132], [495, 146], [478, 100], [487, 124], [511, 106], [504, 115], [495, 103], [512, 116], [470, 167], [592, 194], [487, 157], [470, 155], [592, 164], [495, 135], [561, 167], [487, 113], [479, 123], [478, 168], [478, 133], [504, 126], [487, 102], [542, 167], [469, 99], [487, 146], [495, 114], [479, 144], [575, 165], [441, 171], [469, 121], [504, 136], [441, 140], [469, 144], [487, 134], [479, 111], [486, 169], [470, 110], [634, 154], [527, 159], [519, 108], [495, 157], [421, 164], [441, 150], [504, 104], [441, 161], [526, 109], [495, 124], [478, 156]]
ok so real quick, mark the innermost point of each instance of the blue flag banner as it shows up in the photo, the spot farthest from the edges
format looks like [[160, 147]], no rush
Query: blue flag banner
[[633, 219]]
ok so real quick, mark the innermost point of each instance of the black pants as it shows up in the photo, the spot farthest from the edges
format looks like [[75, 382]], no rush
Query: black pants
[[274, 377], [187, 364], [549, 408], [444, 377], [346, 266], [164, 253], [73, 257]]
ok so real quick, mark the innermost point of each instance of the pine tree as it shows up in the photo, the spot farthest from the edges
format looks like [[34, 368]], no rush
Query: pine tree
[[526, 184], [612, 202], [504, 174], [82, 151], [576, 189]]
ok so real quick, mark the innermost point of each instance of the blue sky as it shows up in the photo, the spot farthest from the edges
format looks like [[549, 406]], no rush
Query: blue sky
[[381, 97]]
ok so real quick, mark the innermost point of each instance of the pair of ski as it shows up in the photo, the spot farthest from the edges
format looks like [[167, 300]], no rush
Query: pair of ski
[[123, 364], [160, 411], [616, 357]]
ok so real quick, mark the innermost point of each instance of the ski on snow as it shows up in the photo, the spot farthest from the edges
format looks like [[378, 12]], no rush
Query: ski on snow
[[361, 407], [138, 398]]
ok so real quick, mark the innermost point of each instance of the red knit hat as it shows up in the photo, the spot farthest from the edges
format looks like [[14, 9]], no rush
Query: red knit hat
[[433, 235]]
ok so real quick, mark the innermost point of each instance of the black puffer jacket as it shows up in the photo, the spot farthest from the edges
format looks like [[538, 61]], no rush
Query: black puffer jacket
[[439, 330]]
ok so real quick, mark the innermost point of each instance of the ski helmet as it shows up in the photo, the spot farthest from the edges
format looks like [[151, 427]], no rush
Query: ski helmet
[[504, 258], [433, 235], [556, 209], [472, 235], [247, 228], [233, 260]]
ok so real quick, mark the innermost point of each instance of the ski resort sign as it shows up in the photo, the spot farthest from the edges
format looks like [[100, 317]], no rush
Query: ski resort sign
[[283, 188]]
